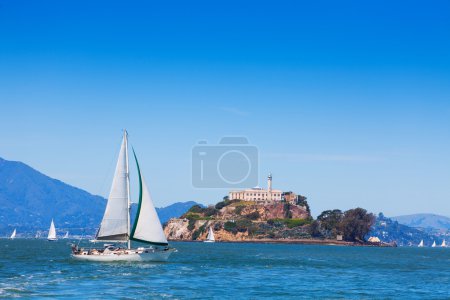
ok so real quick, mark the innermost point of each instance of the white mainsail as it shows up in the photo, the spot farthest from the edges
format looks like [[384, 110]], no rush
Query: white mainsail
[[434, 244], [52, 232], [147, 227], [115, 223], [13, 234], [421, 243], [443, 244], [66, 236], [210, 236]]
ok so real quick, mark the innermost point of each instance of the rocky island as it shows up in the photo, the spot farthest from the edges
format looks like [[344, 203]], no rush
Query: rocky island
[[238, 220], [259, 215]]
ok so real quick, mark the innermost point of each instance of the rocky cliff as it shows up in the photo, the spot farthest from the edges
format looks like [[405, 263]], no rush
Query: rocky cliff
[[239, 220]]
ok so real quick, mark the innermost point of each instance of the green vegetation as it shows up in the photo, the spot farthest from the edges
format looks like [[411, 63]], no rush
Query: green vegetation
[[356, 224], [238, 209], [209, 211], [226, 202], [353, 224], [191, 224], [290, 223], [330, 221], [287, 211], [230, 226], [198, 232], [195, 209], [253, 215], [301, 200]]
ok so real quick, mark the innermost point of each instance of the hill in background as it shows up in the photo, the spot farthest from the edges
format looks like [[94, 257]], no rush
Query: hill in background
[[428, 221], [30, 199]]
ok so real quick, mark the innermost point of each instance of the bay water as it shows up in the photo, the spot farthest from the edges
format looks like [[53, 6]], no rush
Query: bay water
[[41, 269]]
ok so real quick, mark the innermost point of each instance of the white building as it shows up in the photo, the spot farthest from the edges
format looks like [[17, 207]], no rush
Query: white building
[[258, 194]]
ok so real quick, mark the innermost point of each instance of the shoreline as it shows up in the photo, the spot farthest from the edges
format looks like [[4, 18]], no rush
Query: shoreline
[[299, 242]]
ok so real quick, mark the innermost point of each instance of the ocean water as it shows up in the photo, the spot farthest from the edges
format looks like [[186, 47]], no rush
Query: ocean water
[[37, 268]]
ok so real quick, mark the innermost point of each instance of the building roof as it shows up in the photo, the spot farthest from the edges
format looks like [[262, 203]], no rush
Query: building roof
[[253, 190]]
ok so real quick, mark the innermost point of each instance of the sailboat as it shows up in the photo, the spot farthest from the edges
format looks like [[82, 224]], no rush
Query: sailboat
[[420, 244], [66, 236], [38, 235], [434, 244], [443, 244], [210, 237], [13, 234], [115, 226], [52, 232]]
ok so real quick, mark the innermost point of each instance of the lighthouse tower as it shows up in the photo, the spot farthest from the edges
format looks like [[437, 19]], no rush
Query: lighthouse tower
[[269, 182]]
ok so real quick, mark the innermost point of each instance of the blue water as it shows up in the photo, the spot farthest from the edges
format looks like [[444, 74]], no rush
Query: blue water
[[37, 268]]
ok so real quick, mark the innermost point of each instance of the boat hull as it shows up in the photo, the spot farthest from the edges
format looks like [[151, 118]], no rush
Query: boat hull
[[157, 256]]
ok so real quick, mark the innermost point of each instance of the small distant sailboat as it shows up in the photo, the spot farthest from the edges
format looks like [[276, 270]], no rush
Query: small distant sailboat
[[443, 244], [115, 226], [66, 236], [434, 244], [52, 233], [210, 237], [420, 244], [38, 235], [13, 234]]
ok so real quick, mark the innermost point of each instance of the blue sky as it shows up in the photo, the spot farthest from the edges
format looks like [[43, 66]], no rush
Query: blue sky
[[348, 102]]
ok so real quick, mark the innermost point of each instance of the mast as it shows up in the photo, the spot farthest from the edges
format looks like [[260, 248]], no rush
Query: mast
[[128, 187]]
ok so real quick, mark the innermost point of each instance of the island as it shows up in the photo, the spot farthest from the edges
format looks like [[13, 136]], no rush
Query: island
[[272, 216]]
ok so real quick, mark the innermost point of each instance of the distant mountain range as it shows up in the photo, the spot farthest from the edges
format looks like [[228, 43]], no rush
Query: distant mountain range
[[389, 230], [427, 221], [30, 199]]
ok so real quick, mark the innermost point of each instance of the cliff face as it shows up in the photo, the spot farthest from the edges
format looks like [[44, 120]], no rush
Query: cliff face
[[241, 221]]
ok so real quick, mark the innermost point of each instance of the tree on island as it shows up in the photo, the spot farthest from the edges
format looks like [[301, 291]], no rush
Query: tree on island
[[330, 222], [356, 223]]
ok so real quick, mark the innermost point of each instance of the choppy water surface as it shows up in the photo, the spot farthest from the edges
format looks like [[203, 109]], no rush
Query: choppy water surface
[[37, 268]]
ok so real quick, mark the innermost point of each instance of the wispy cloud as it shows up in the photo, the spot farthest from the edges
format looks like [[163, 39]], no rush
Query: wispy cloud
[[235, 111], [305, 157]]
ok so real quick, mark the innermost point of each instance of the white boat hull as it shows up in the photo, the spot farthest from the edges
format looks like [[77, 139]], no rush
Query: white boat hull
[[207, 241], [157, 256]]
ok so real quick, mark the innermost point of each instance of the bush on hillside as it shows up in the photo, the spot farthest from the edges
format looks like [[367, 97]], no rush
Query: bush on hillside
[[230, 227], [209, 211], [253, 215], [196, 209]]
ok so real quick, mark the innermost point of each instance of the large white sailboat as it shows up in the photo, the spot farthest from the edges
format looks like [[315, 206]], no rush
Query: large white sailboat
[[52, 233], [420, 244], [13, 234], [116, 228], [210, 237]]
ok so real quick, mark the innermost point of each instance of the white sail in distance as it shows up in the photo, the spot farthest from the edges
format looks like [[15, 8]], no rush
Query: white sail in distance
[[13, 234], [147, 227], [66, 236], [421, 243], [115, 222], [210, 236], [52, 232], [434, 244]]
